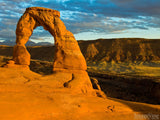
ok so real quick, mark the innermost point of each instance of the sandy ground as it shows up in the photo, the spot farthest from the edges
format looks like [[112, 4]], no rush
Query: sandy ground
[[25, 95]]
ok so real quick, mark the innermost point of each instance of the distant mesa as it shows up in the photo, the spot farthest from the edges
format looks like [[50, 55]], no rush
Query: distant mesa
[[121, 50], [29, 43]]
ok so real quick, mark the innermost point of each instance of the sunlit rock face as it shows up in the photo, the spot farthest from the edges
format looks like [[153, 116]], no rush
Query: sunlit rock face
[[68, 54], [68, 57]]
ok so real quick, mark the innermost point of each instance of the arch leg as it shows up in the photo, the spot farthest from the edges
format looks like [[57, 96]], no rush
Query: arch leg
[[24, 30]]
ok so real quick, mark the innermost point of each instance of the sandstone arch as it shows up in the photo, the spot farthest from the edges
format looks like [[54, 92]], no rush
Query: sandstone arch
[[67, 56]]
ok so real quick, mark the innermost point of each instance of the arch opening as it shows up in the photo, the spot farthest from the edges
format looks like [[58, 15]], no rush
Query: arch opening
[[41, 35], [42, 56]]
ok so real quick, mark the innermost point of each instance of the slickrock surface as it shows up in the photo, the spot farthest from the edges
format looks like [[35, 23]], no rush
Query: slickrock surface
[[25, 95]]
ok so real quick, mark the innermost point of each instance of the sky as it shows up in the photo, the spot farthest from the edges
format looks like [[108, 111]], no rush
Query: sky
[[88, 19]]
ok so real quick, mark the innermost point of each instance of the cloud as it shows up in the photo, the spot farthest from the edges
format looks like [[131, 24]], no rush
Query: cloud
[[141, 7], [141, 15], [7, 34], [98, 16]]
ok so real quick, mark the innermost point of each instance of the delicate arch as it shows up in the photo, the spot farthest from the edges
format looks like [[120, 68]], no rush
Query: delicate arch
[[67, 54]]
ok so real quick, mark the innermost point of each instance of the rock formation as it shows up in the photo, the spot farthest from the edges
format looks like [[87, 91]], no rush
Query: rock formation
[[96, 86], [91, 51], [68, 54], [67, 58]]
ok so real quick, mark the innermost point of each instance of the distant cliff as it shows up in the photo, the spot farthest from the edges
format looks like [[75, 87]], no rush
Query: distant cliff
[[121, 50], [118, 50]]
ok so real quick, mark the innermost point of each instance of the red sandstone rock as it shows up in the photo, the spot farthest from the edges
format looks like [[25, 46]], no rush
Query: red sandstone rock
[[67, 55], [21, 55]]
